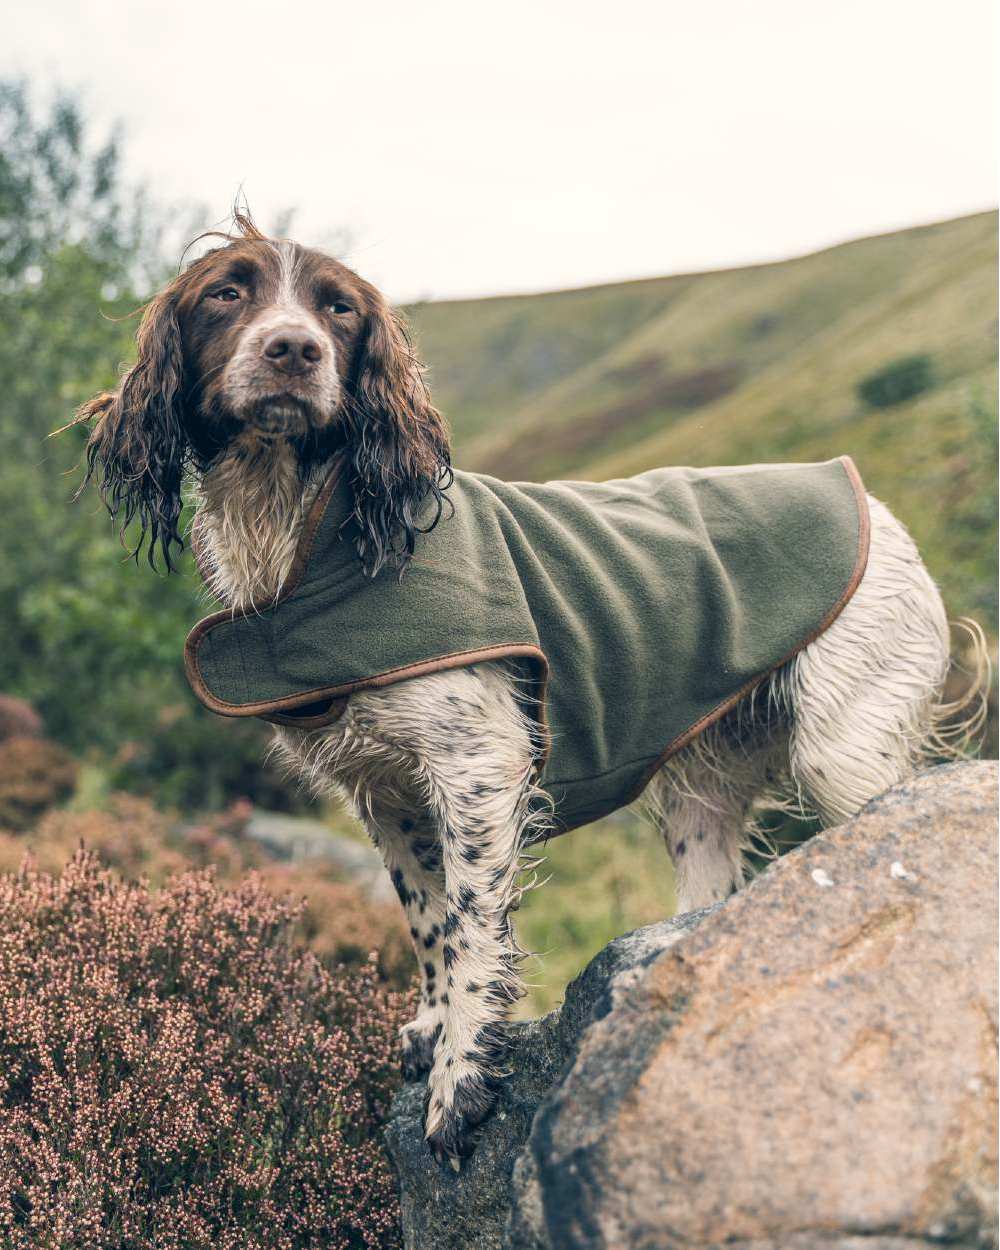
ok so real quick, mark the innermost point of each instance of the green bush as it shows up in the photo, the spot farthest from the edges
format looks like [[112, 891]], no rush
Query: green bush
[[190, 759], [92, 641], [897, 382]]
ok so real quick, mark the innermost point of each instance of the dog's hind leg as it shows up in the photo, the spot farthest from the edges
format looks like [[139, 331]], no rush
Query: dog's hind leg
[[703, 839], [863, 695], [701, 799]]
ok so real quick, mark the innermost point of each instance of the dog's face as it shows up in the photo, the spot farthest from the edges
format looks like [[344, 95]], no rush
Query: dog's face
[[261, 342], [270, 335]]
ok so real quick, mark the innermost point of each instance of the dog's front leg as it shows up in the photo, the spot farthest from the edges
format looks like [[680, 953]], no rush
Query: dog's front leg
[[442, 769], [411, 849], [482, 812]]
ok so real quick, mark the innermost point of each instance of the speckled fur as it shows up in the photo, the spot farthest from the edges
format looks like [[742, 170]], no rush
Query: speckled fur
[[259, 362], [440, 771]]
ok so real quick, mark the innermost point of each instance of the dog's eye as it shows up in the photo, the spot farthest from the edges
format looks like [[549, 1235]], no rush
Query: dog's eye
[[227, 295], [340, 309]]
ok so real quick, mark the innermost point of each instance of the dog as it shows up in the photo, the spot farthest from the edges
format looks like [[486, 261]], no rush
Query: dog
[[262, 363]]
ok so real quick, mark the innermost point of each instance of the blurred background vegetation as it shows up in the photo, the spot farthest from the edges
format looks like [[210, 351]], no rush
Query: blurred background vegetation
[[884, 348]]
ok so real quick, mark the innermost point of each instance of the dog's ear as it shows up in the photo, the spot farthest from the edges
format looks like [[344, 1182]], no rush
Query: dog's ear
[[397, 443], [137, 448]]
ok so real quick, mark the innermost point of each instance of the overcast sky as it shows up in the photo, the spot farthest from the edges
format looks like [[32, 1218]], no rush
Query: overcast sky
[[473, 148]]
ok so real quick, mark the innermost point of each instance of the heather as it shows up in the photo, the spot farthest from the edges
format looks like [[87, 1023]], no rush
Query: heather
[[34, 775], [584, 383], [337, 919], [176, 1070]]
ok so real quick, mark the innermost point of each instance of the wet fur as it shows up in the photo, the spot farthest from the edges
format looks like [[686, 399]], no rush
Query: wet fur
[[440, 769], [180, 408]]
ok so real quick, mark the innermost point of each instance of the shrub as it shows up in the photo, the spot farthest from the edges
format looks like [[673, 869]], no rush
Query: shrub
[[898, 381], [340, 923], [131, 837], [176, 1072], [18, 719], [34, 776], [188, 758]]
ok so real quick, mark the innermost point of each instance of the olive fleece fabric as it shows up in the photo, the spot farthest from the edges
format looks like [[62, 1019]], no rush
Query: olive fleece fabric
[[640, 609]]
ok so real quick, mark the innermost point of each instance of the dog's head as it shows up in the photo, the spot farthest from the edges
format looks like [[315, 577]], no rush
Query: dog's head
[[259, 341]]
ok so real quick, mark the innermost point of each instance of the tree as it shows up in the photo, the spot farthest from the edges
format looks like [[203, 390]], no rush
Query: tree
[[90, 638]]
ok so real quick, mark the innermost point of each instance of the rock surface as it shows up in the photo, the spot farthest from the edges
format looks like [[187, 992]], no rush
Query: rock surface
[[300, 838], [811, 1064]]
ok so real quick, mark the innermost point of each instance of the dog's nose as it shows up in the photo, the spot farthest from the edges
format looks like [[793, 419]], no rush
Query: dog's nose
[[292, 350]]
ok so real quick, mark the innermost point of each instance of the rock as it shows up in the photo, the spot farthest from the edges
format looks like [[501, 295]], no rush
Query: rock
[[445, 1210], [809, 1066], [298, 838]]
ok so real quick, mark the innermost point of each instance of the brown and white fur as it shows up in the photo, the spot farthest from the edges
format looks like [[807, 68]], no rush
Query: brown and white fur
[[259, 363]]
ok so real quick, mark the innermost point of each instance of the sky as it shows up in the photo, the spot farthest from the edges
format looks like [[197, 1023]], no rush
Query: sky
[[455, 149]]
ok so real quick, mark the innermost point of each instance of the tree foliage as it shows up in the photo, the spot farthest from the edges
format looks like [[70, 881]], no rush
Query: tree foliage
[[92, 640]]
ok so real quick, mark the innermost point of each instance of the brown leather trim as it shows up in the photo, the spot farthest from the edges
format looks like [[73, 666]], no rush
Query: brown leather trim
[[334, 711], [455, 659], [281, 711], [303, 551], [308, 536], [860, 564]]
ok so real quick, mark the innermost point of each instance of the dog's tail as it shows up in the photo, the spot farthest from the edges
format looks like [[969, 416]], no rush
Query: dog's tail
[[960, 720]]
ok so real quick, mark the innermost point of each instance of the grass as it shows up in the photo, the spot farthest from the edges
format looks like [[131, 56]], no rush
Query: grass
[[604, 880], [765, 363], [749, 365]]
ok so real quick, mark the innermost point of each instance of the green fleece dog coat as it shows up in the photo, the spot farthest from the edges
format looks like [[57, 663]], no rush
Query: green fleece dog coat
[[641, 610]]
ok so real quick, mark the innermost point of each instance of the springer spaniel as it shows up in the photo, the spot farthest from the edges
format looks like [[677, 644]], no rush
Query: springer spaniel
[[259, 363]]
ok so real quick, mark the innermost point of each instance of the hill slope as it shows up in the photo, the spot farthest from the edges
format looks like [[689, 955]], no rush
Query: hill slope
[[753, 364]]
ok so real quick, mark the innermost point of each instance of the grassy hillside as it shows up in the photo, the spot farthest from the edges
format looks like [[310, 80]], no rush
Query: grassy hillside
[[754, 364]]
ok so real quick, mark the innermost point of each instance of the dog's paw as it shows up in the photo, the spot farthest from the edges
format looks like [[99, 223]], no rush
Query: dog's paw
[[452, 1127], [418, 1040]]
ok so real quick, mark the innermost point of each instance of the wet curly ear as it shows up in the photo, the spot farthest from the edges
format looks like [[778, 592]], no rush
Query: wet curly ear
[[137, 450], [397, 443]]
